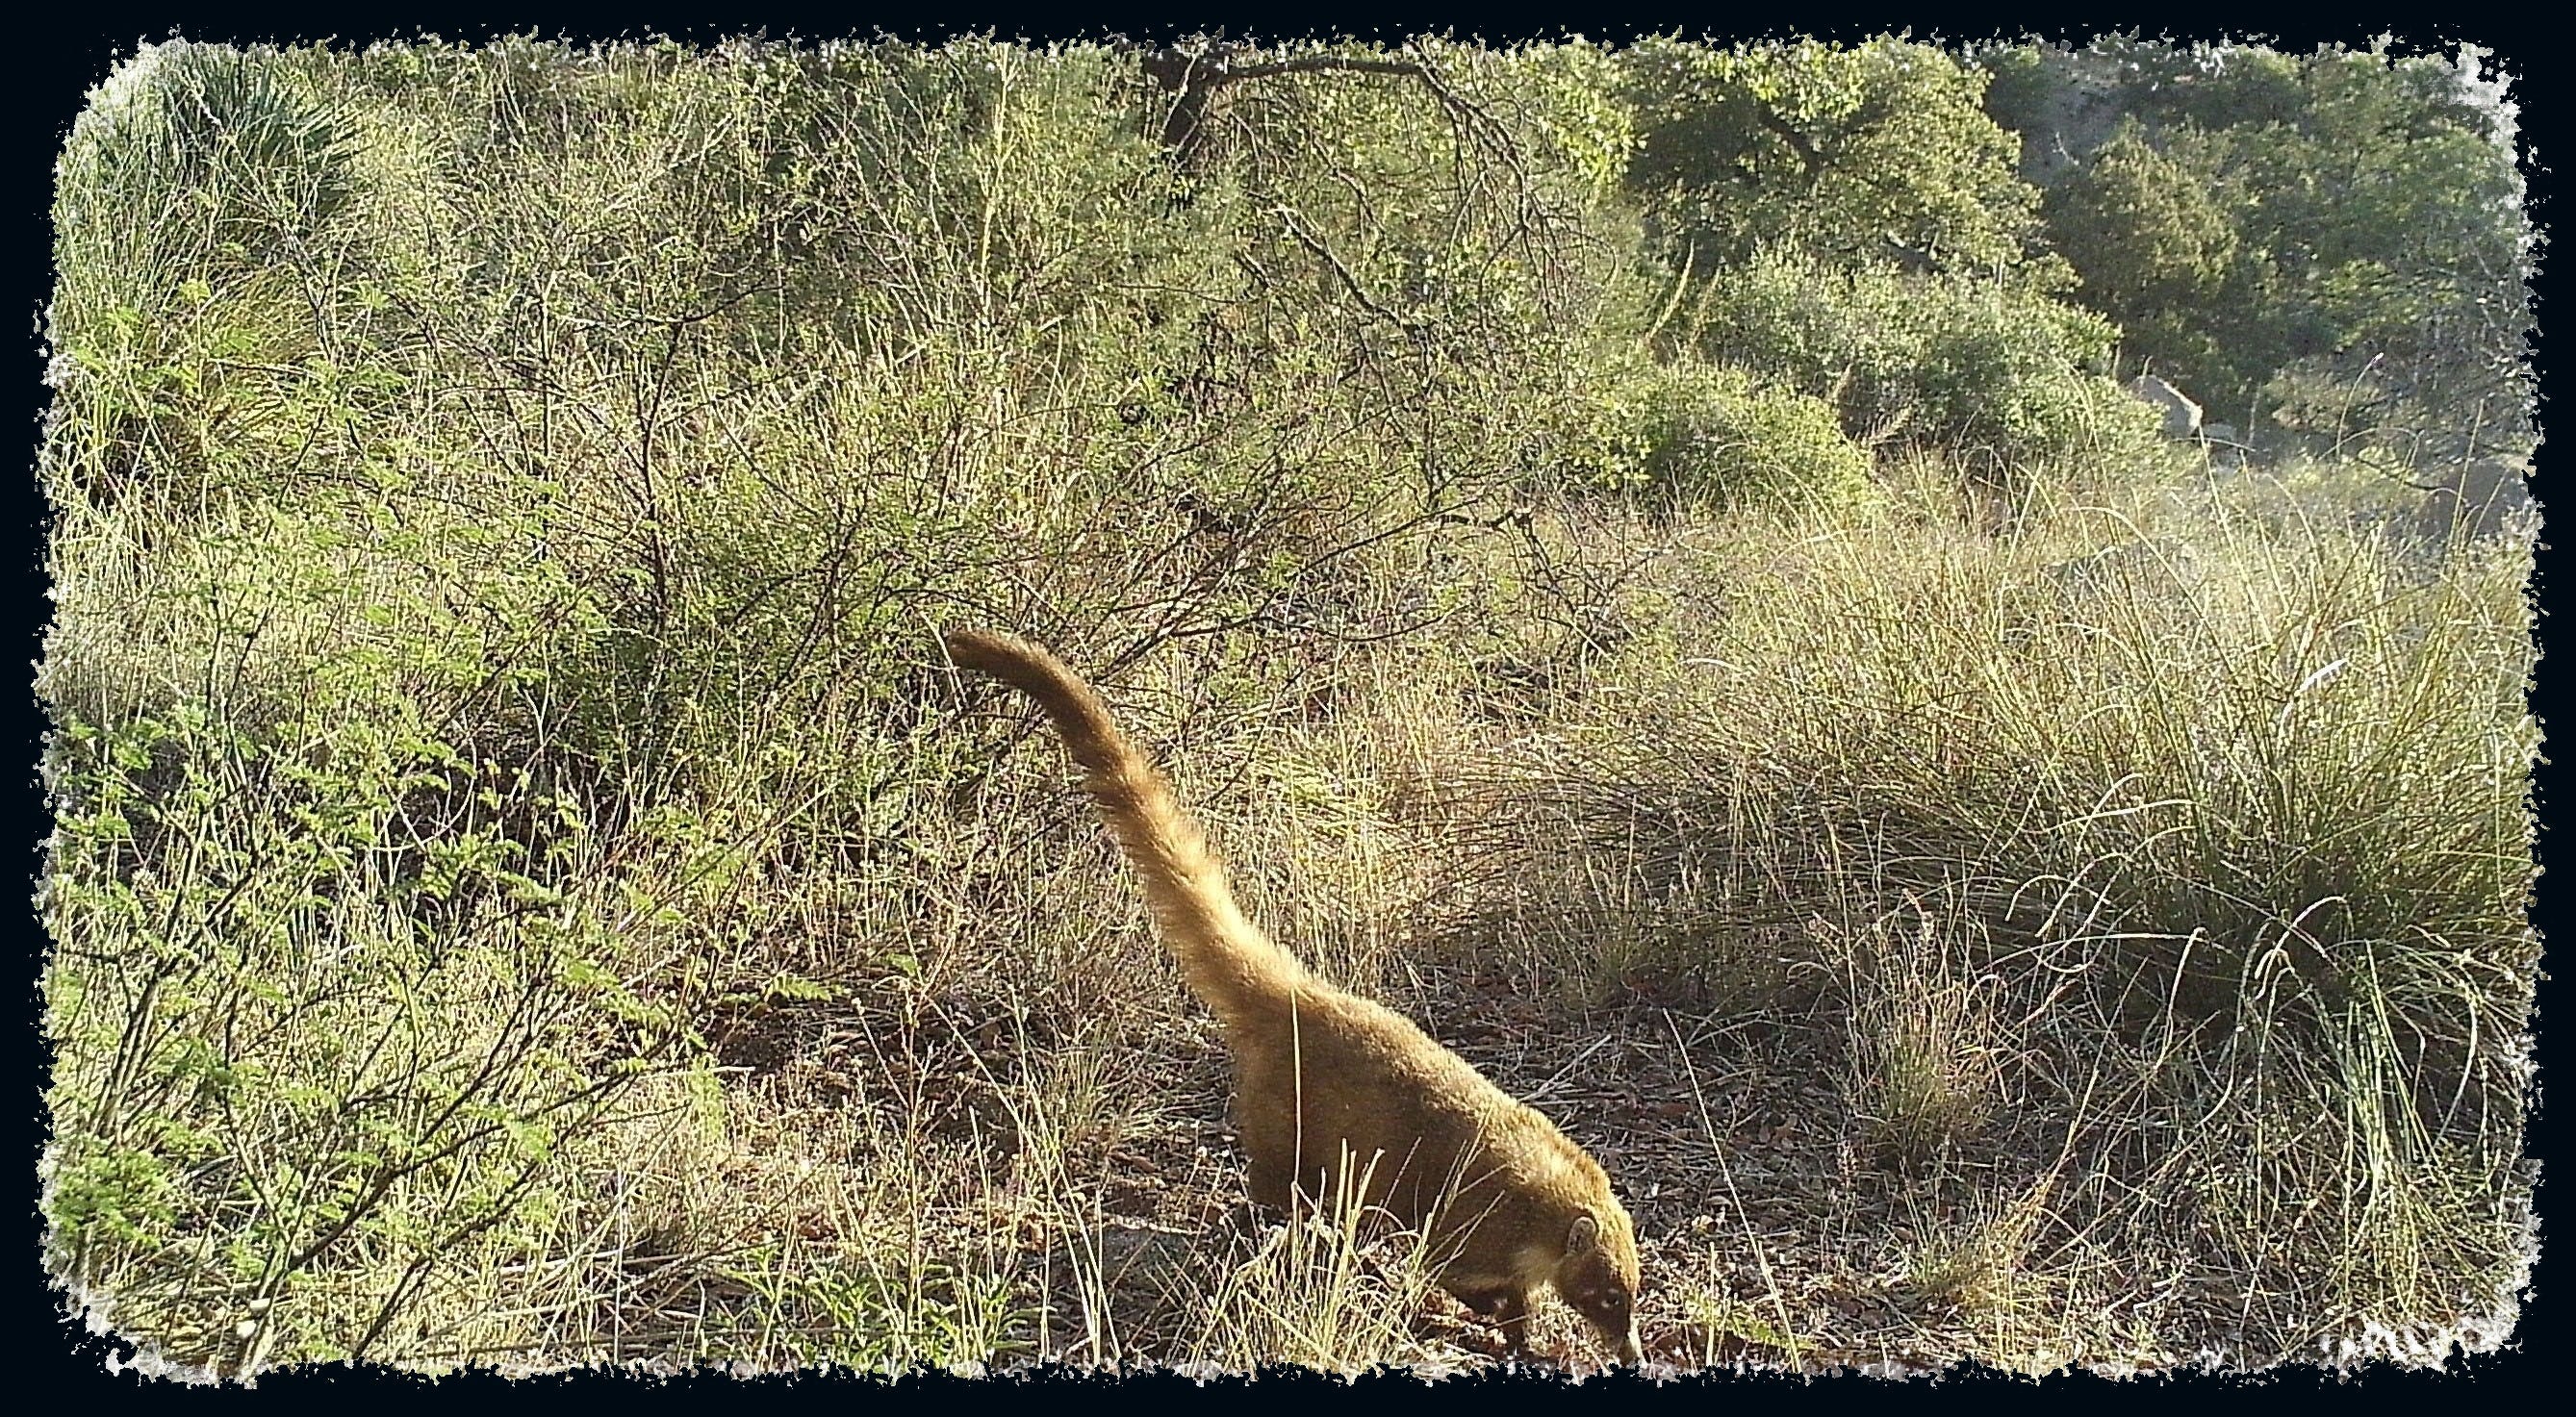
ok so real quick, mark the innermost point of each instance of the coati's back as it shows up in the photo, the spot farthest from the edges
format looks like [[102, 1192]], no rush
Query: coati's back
[[1511, 1204]]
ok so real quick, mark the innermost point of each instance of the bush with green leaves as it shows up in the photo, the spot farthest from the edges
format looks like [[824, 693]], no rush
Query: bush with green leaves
[[1716, 440], [1978, 366], [2335, 214], [503, 498], [2154, 250], [205, 193], [339, 965], [1855, 154], [1689, 435]]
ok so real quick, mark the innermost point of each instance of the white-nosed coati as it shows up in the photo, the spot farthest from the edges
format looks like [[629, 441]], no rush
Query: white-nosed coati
[[1510, 1205]]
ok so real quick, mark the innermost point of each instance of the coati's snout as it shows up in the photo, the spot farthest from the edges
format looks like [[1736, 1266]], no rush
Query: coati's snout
[[1598, 1278]]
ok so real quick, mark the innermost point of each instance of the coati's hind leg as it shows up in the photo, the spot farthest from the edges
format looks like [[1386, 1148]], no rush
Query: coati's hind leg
[[1507, 1310]]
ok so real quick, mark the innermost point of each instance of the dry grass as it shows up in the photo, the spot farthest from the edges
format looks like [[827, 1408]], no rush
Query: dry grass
[[1870, 1103]]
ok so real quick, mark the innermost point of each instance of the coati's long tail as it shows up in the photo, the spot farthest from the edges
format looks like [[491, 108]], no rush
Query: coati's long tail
[[1233, 967]]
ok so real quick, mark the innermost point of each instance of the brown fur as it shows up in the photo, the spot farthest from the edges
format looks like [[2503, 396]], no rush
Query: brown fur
[[1509, 1203]]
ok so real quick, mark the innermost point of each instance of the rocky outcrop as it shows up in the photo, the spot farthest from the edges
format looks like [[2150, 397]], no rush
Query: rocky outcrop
[[2182, 416], [2080, 113], [2484, 497]]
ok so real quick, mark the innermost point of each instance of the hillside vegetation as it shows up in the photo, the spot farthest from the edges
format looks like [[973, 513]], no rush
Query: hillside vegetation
[[1641, 558]]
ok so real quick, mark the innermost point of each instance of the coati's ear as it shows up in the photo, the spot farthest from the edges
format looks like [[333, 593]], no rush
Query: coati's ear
[[1583, 1235]]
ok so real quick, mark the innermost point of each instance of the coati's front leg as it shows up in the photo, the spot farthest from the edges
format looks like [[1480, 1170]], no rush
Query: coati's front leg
[[1507, 1309], [1267, 1133], [1270, 1173]]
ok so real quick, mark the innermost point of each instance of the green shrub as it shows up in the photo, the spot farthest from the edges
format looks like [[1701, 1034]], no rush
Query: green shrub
[[2154, 248], [1946, 360], [194, 146], [199, 205], [1713, 439], [2250, 211], [1698, 436], [339, 965], [1848, 153]]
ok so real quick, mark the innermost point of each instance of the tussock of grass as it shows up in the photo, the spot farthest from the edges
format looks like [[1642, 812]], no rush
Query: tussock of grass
[[1334, 1289], [1924, 1064], [2209, 875]]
